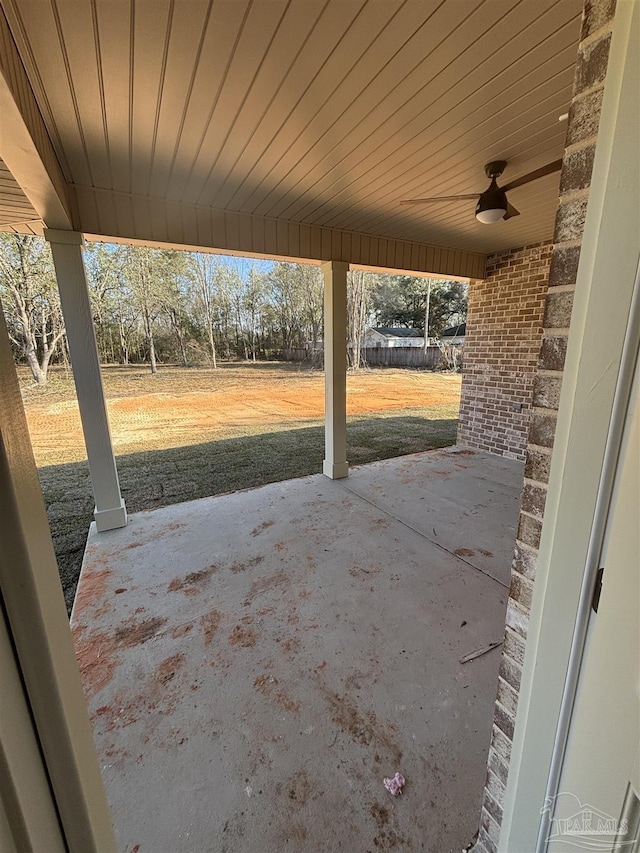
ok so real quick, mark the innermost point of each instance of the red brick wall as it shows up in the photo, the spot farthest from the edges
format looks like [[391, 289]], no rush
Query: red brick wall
[[582, 132], [504, 330]]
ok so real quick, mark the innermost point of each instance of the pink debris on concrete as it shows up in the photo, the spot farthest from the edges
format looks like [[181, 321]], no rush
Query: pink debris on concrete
[[394, 786]]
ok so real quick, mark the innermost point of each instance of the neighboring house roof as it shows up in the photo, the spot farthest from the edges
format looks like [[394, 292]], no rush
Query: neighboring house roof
[[390, 332], [455, 331]]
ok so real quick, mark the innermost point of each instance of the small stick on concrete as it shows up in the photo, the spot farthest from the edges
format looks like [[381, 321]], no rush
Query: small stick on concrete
[[479, 652]]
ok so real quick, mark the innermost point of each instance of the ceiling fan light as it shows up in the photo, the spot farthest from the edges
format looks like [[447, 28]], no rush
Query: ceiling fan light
[[491, 215], [492, 204]]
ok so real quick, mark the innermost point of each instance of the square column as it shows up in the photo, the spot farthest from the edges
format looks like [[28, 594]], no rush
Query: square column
[[335, 463], [66, 248]]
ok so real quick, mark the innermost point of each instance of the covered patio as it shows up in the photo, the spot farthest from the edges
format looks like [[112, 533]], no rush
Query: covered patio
[[249, 690], [256, 663]]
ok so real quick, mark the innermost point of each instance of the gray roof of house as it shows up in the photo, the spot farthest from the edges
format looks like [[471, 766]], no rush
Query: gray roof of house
[[455, 331], [390, 332]]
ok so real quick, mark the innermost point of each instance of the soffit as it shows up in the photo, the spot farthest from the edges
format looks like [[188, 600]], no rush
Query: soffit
[[15, 208], [325, 112]]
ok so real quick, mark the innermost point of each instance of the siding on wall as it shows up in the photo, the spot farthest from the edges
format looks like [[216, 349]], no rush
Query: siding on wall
[[504, 330], [582, 130]]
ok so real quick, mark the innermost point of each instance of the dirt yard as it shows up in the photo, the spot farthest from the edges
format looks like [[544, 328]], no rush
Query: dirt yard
[[180, 407], [186, 434]]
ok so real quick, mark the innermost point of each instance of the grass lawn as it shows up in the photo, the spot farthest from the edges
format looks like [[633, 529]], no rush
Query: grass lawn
[[186, 434]]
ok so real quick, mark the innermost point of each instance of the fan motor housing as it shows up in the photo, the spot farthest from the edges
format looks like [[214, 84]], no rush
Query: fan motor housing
[[495, 168]]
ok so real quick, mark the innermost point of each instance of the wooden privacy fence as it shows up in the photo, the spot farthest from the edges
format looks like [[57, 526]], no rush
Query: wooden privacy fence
[[378, 356], [402, 356]]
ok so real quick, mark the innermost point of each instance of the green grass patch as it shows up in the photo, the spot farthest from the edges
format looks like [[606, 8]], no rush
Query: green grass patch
[[153, 479]]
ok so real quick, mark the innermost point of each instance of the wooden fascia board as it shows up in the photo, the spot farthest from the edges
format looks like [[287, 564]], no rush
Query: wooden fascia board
[[155, 221]]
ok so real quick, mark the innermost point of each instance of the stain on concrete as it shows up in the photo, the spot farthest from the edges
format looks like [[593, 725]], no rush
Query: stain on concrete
[[192, 581], [244, 637], [464, 552], [96, 660], [296, 834], [265, 524], [168, 668], [91, 590], [210, 622], [264, 585], [380, 814], [267, 685], [161, 693], [291, 646], [97, 653], [365, 728], [389, 836], [298, 788], [242, 567], [132, 633]]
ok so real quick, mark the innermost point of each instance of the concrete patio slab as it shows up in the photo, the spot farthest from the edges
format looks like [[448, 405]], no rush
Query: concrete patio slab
[[256, 663], [460, 499]]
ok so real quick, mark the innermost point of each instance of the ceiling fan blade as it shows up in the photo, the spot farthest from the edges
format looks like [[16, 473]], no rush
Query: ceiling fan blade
[[542, 172], [440, 198], [511, 211]]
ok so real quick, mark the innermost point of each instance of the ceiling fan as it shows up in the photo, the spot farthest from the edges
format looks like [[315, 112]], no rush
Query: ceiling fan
[[492, 204]]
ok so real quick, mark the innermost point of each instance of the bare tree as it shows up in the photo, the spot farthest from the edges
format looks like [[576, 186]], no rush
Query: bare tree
[[141, 268], [205, 270], [426, 315], [34, 317], [358, 309]]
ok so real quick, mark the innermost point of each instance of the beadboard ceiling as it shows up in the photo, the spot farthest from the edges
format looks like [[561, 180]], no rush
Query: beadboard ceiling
[[323, 112]]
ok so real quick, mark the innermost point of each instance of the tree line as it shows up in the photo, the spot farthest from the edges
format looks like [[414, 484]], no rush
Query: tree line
[[163, 306]]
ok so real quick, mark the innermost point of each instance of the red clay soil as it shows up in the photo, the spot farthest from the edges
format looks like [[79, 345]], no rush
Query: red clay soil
[[195, 405]]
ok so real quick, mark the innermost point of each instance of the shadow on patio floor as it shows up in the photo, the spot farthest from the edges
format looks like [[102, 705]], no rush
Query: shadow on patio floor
[[256, 663], [163, 477]]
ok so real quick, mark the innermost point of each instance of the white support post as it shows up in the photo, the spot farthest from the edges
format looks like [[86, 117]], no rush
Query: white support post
[[335, 463], [66, 248], [50, 776]]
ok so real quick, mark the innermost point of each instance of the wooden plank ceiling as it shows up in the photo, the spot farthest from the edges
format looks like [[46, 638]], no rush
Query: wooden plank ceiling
[[15, 208], [324, 112]]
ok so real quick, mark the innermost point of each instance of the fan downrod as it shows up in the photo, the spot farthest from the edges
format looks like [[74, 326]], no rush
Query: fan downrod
[[495, 168]]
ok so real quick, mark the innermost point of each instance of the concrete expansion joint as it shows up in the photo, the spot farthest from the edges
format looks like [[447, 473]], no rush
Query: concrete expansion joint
[[424, 536]]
